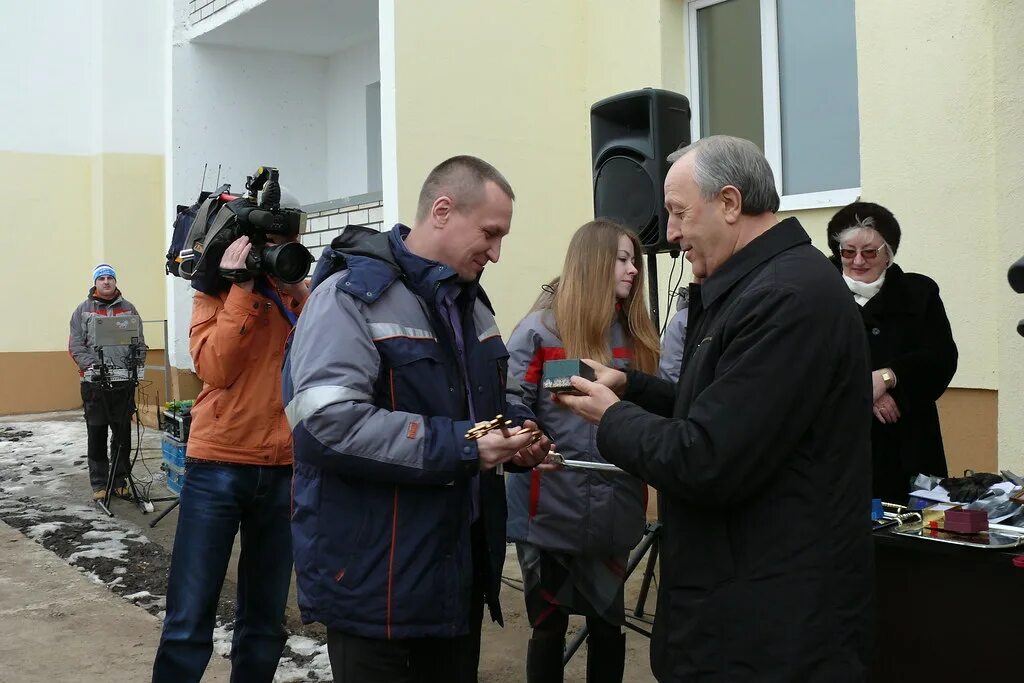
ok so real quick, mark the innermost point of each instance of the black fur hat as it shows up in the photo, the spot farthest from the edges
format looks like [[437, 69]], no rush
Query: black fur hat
[[850, 215]]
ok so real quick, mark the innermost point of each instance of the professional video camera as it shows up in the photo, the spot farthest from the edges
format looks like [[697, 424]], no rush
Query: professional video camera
[[221, 217]]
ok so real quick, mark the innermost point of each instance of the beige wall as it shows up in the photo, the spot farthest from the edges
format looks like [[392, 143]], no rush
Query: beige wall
[[940, 85], [940, 112], [73, 212], [927, 150], [1008, 188], [519, 96]]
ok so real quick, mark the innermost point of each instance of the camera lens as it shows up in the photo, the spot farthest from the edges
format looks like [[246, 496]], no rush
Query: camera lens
[[287, 262]]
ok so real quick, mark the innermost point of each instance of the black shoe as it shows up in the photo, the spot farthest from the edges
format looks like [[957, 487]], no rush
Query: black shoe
[[606, 658], [544, 660]]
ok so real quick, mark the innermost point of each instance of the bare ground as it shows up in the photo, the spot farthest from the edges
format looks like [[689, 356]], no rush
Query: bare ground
[[44, 493]]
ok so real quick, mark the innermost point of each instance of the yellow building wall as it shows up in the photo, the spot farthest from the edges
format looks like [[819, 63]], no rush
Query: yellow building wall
[[73, 211], [939, 90], [1008, 188], [927, 150], [523, 105], [502, 81], [940, 104]]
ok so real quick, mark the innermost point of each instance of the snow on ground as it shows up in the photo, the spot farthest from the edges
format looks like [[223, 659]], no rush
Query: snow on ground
[[41, 494]]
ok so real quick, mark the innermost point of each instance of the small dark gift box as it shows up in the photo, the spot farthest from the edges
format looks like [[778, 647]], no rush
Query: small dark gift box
[[965, 521], [558, 375]]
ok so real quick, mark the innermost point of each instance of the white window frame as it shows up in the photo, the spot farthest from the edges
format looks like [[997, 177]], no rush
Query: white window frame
[[772, 105]]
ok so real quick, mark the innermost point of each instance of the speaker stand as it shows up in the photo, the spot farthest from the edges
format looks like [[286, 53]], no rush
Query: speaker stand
[[652, 288]]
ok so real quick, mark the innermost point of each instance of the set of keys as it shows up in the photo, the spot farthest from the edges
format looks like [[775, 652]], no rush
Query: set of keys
[[500, 422], [553, 457]]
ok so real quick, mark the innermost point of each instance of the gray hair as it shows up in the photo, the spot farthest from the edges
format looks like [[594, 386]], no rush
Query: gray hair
[[866, 223], [721, 160]]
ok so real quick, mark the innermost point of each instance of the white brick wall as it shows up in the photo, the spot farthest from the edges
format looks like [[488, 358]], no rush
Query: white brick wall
[[323, 226], [201, 9]]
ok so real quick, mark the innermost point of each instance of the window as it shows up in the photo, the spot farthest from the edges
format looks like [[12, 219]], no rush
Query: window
[[782, 73]]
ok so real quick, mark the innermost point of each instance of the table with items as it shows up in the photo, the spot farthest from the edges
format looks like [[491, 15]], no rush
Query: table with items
[[950, 582]]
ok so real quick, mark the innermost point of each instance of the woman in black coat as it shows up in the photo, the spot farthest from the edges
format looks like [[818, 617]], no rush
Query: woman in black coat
[[913, 355]]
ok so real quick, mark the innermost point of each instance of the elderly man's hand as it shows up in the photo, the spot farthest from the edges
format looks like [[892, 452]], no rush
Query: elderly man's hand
[[596, 399], [535, 453], [609, 377]]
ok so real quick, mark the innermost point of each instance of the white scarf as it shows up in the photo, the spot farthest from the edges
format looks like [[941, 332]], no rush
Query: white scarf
[[863, 291]]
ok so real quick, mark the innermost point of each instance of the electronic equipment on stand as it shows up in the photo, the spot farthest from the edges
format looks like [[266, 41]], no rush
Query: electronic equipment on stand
[[117, 340]]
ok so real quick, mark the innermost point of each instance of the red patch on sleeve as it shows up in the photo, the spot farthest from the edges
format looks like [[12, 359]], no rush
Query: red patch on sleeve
[[414, 428], [535, 369]]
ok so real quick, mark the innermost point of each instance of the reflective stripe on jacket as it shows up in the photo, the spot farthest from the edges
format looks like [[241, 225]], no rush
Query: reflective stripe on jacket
[[384, 476]]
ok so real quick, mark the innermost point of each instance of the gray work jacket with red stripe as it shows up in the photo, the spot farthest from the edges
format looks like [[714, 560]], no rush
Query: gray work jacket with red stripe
[[385, 481], [582, 513]]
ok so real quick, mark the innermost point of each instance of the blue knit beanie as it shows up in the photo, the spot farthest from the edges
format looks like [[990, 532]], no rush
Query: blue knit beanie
[[101, 270]]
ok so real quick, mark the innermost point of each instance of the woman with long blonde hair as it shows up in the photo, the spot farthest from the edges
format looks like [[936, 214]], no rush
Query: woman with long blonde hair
[[574, 530]]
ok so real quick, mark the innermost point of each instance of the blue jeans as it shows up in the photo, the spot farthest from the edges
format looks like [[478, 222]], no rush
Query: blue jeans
[[215, 501]]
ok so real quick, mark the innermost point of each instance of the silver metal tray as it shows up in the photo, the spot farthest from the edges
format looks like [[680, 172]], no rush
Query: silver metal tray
[[986, 540]]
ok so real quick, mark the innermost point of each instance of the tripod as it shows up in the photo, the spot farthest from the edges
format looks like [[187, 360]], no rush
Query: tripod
[[123, 422], [648, 546]]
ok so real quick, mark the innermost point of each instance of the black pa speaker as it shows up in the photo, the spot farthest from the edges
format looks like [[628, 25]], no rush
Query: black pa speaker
[[631, 135]]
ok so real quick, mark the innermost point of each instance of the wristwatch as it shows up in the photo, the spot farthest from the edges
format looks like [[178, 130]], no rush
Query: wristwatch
[[889, 378]]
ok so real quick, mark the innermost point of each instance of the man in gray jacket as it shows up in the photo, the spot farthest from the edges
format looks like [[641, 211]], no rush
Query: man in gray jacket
[[398, 520], [110, 406]]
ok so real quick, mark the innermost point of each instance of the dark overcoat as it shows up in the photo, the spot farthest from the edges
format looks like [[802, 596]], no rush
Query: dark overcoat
[[761, 457], [908, 331]]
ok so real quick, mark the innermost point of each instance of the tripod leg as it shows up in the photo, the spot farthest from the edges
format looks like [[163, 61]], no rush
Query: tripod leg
[[652, 560], [177, 501], [111, 474], [573, 645]]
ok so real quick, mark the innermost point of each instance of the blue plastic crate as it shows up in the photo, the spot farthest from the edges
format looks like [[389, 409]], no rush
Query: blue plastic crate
[[174, 452], [175, 479]]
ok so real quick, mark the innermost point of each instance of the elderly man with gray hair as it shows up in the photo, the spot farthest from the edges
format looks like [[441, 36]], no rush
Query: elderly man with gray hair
[[761, 453]]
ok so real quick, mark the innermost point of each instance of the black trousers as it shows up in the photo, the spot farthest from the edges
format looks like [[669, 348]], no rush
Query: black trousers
[[416, 660], [108, 409]]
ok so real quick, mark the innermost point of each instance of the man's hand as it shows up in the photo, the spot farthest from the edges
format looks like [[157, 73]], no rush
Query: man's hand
[[886, 410], [297, 290], [609, 377], [535, 453], [495, 448], [596, 399], [234, 258]]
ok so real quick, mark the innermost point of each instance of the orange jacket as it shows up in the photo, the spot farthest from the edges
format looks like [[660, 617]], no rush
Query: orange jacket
[[237, 344]]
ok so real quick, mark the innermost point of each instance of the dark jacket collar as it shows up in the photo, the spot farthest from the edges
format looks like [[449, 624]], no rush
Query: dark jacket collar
[[779, 238], [106, 302], [424, 276], [376, 261]]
